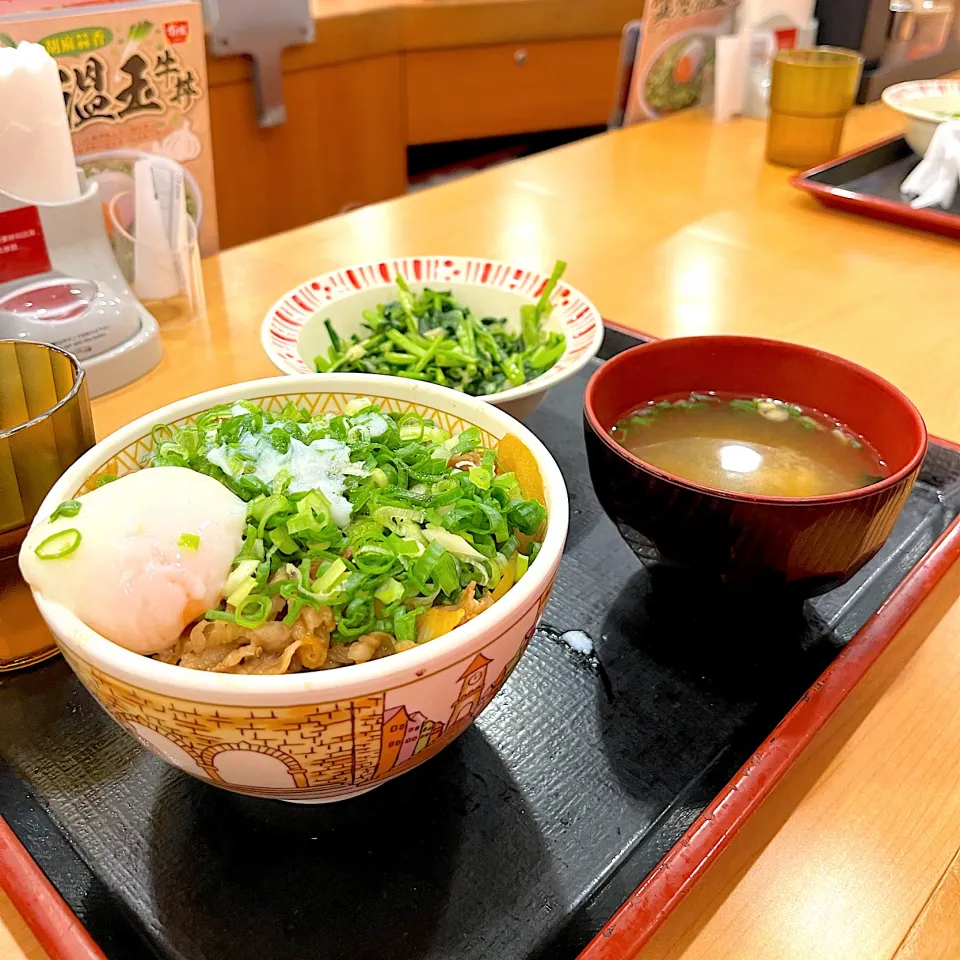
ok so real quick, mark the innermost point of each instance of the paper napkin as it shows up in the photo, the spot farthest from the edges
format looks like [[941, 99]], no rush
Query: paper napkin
[[933, 182]]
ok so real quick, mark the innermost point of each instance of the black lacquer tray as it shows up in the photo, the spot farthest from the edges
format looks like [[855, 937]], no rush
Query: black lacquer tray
[[522, 838], [867, 182]]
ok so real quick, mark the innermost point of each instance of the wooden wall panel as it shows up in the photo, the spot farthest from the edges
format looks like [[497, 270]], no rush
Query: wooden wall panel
[[342, 145], [509, 88]]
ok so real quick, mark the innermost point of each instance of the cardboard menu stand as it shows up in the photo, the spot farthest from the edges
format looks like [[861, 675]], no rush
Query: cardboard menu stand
[[675, 58], [134, 80]]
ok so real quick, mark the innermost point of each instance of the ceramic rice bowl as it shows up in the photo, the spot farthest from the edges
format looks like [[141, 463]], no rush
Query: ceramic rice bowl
[[331, 734]]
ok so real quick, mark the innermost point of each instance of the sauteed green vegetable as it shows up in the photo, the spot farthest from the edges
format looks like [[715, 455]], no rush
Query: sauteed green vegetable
[[432, 336]]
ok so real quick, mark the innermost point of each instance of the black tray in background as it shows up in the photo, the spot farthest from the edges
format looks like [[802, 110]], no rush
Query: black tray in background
[[867, 183], [875, 173], [517, 841]]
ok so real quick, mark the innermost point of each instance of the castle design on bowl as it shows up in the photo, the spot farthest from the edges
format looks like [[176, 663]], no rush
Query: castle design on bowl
[[306, 752]]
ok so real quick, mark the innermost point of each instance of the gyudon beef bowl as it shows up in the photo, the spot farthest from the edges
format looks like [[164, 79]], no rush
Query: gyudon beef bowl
[[301, 587], [773, 468]]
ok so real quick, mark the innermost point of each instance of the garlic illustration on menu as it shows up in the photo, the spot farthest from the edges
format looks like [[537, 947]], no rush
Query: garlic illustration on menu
[[181, 145]]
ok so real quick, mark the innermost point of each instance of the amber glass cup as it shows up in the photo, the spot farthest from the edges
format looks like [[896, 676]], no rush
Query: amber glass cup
[[811, 93], [45, 424]]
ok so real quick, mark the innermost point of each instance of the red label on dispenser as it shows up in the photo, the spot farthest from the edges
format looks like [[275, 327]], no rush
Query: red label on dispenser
[[786, 38], [23, 250], [177, 31]]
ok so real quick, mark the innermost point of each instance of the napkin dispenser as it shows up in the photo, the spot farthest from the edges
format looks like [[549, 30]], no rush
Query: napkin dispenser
[[60, 283]]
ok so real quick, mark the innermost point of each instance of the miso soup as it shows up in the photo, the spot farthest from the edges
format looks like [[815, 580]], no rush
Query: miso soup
[[752, 445]]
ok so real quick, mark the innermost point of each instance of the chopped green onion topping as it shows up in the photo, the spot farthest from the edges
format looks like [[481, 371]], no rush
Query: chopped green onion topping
[[69, 508], [405, 625], [334, 573], [390, 591], [481, 477], [189, 541], [58, 545], [252, 613], [243, 591], [417, 532], [220, 615]]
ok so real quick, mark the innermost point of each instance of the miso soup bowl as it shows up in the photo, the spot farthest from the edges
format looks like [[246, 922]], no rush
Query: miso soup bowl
[[795, 546], [329, 734]]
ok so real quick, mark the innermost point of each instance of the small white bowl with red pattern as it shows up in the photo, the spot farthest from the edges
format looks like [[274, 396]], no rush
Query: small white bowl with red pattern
[[293, 332], [926, 104]]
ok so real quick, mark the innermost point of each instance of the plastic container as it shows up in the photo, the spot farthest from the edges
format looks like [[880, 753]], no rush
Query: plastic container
[[45, 424], [167, 280]]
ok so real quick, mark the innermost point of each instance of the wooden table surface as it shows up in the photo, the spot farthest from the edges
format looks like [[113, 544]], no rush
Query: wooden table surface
[[676, 228]]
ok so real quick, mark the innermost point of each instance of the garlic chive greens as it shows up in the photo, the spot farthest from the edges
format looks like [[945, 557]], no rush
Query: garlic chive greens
[[432, 336], [376, 516]]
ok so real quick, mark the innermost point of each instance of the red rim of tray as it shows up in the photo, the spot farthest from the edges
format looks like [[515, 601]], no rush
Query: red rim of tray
[[933, 221], [62, 935], [46, 913], [632, 926]]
